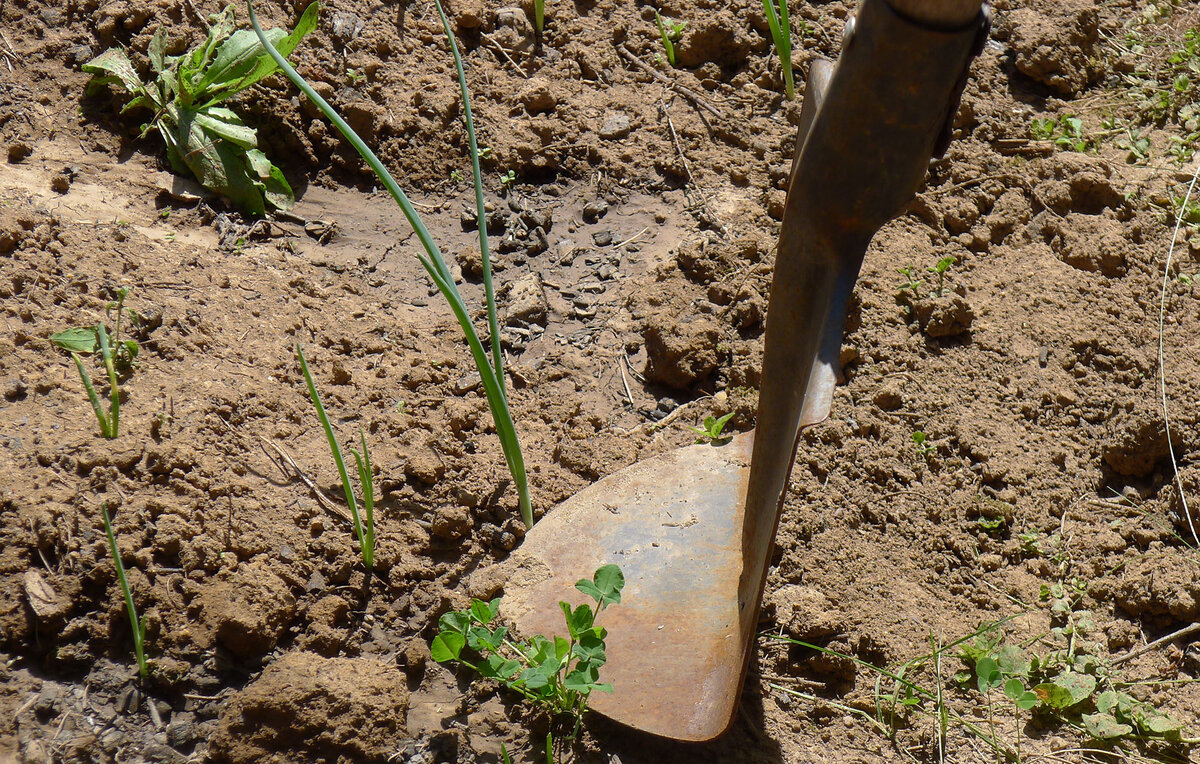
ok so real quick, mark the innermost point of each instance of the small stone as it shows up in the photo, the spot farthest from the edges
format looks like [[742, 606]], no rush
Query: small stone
[[602, 238], [594, 210], [889, 397], [616, 125], [19, 151], [451, 523], [467, 383], [527, 301]]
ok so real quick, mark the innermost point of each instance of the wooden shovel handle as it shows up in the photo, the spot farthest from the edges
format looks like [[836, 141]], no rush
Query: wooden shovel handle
[[945, 14]]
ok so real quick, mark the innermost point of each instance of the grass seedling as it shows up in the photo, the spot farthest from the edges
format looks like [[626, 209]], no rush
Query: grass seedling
[[363, 531], [939, 268], [491, 371], [554, 674], [137, 624], [203, 138], [781, 33], [114, 353], [710, 431], [539, 15], [670, 32]]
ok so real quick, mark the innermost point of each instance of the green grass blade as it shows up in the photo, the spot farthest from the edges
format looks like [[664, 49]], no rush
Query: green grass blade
[[436, 267], [367, 480], [785, 51], [135, 623], [334, 448], [666, 38], [539, 14], [114, 390], [481, 212], [92, 396]]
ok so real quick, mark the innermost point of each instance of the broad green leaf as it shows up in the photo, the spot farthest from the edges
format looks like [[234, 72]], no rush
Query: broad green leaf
[[447, 646], [1081, 686], [1104, 727], [578, 620], [591, 649], [1161, 724], [79, 340], [234, 132], [455, 621], [114, 66], [193, 65], [987, 673], [242, 60], [1014, 688], [270, 179], [603, 687], [157, 49], [1053, 695], [479, 638], [481, 612], [219, 165], [562, 649], [1012, 661], [1106, 700], [605, 586], [581, 679]]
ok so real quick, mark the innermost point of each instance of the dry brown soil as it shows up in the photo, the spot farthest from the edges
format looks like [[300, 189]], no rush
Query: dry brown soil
[[635, 254]]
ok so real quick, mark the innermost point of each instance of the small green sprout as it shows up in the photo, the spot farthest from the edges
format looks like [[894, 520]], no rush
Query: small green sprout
[[554, 674], [356, 76], [670, 32], [991, 525], [940, 268], [911, 282], [710, 431], [781, 34], [363, 531], [137, 624], [506, 182], [114, 353], [924, 446], [456, 176]]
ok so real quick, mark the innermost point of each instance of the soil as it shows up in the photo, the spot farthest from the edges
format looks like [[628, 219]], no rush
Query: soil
[[634, 254]]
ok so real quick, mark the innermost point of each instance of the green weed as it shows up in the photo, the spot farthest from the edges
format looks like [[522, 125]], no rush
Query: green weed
[[506, 182], [670, 32], [539, 15], [138, 625], [555, 674], [363, 531], [204, 139], [491, 371], [910, 284], [1066, 132], [115, 354], [939, 269], [712, 428], [924, 446], [781, 34]]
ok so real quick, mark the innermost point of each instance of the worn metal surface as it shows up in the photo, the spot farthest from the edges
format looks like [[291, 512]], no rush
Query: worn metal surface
[[673, 524], [693, 529]]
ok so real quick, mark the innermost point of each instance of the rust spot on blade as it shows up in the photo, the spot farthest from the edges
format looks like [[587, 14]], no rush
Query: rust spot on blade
[[674, 525]]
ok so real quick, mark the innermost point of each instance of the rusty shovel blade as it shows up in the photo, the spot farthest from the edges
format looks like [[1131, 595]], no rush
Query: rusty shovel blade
[[693, 529]]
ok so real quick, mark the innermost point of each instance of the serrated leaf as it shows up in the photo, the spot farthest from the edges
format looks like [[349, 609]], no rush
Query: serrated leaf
[[242, 61], [78, 340], [1104, 726], [156, 50], [114, 63], [447, 646]]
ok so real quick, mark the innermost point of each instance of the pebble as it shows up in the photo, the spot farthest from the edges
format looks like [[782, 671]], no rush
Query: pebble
[[602, 238], [616, 125], [594, 210]]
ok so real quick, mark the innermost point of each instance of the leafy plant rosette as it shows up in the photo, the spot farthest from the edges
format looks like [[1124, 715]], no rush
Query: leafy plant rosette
[[1064, 683], [204, 139], [557, 674]]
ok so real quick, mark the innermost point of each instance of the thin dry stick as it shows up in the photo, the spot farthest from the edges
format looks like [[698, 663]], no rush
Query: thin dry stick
[[1162, 374], [500, 49], [625, 382], [323, 500], [1186, 631], [691, 95]]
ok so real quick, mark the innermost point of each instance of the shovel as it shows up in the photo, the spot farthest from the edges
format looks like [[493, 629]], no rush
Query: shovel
[[693, 529]]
